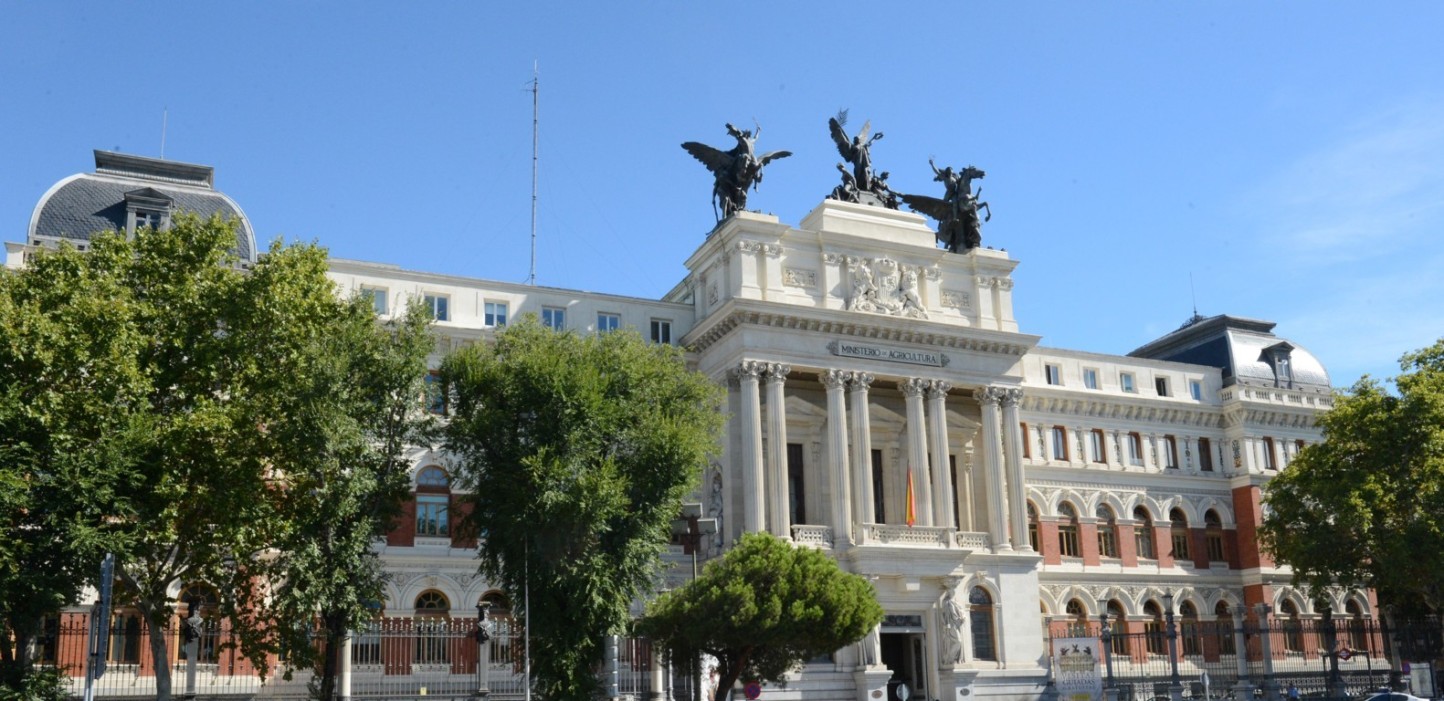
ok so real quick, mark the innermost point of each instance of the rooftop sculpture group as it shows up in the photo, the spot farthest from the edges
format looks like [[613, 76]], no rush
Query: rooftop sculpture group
[[960, 223], [734, 172]]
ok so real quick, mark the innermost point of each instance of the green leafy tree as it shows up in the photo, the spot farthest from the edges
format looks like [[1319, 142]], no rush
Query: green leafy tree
[[351, 415], [577, 451], [1365, 507], [763, 609], [175, 407]]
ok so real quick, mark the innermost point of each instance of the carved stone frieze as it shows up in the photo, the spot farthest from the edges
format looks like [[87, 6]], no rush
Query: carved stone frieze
[[956, 299], [799, 277], [772, 250], [748, 246]]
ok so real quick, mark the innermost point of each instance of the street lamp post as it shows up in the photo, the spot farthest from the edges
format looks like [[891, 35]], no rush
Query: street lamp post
[[483, 652], [690, 528], [191, 633], [1107, 635], [1176, 689]]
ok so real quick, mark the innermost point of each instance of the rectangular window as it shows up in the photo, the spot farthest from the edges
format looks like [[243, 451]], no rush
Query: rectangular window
[[879, 504], [435, 394], [1097, 451], [1060, 443], [953, 473], [608, 322], [1195, 390], [554, 318], [1027, 452], [1107, 539], [1214, 538], [1054, 374], [1161, 384], [1135, 449], [1125, 380], [1179, 536], [796, 486], [377, 296], [495, 314], [661, 331], [1090, 378], [431, 515], [1205, 455], [1170, 452], [1068, 539], [437, 306], [124, 639], [1268, 450]]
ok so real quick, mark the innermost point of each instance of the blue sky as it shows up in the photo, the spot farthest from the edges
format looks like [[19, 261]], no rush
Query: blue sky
[[1289, 155]]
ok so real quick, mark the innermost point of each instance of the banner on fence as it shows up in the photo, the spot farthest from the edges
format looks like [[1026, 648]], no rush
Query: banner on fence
[[1075, 669]]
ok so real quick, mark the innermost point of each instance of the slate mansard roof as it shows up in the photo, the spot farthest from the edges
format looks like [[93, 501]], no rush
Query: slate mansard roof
[[82, 204], [1245, 349]]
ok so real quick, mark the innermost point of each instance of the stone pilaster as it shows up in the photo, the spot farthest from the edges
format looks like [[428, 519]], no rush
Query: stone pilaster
[[943, 501], [1017, 487], [779, 520], [992, 449], [861, 447], [747, 374], [836, 382]]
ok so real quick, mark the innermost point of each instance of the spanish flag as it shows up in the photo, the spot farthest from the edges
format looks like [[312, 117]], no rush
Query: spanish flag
[[912, 508]]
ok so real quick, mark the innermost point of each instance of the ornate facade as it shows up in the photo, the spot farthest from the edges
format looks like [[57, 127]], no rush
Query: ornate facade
[[884, 405]]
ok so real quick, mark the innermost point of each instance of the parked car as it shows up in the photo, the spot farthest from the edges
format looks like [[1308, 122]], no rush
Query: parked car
[[1393, 696]]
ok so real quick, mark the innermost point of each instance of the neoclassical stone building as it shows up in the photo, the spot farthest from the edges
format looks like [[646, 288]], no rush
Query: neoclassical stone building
[[884, 405]]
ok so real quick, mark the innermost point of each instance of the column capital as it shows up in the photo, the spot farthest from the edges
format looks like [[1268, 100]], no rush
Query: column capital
[[937, 389], [1011, 396], [988, 396], [748, 369], [834, 378], [777, 372], [913, 386], [860, 381]]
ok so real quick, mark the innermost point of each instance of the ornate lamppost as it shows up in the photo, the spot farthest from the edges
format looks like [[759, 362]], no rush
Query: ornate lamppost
[[1176, 688], [483, 651]]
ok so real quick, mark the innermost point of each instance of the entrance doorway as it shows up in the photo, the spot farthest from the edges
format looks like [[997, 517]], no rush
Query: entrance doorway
[[905, 654]]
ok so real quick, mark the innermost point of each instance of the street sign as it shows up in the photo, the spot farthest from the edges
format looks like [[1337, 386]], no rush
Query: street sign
[[752, 690], [1345, 654]]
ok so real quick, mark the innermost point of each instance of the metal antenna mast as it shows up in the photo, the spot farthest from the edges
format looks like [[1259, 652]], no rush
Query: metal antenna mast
[[535, 126]]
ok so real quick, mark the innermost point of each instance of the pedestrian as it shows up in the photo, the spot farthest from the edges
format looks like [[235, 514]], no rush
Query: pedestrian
[[1293, 692]]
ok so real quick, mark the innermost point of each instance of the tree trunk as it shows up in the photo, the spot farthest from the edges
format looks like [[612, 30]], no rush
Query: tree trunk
[[330, 659], [155, 620], [728, 678]]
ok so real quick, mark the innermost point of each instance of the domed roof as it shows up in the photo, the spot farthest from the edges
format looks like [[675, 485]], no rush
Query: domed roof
[[1245, 349], [122, 185]]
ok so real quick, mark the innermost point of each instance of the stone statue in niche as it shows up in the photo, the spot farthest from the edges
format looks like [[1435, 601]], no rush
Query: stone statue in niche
[[885, 287]]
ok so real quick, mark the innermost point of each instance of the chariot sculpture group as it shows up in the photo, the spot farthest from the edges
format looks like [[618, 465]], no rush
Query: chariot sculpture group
[[959, 212]]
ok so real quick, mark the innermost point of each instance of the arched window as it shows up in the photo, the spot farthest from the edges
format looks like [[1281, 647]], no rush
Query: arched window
[[1157, 642], [1293, 632], [1033, 527], [1117, 623], [432, 631], [1107, 532], [1179, 534], [433, 502], [1213, 535], [980, 619], [1077, 619], [1358, 636], [1188, 629], [1068, 530], [1223, 628], [1143, 533]]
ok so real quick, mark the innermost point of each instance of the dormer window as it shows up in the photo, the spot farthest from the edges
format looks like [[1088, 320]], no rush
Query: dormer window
[[1279, 356], [147, 207]]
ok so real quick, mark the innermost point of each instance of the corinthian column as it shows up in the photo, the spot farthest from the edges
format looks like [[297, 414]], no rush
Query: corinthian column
[[992, 448], [912, 389], [835, 381], [779, 521], [861, 447], [1017, 490], [751, 424], [938, 442]]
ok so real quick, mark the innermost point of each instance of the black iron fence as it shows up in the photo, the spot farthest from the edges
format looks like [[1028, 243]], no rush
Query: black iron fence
[[1323, 658]]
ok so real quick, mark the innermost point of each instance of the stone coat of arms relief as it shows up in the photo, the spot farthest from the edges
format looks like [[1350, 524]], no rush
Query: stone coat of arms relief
[[884, 286]]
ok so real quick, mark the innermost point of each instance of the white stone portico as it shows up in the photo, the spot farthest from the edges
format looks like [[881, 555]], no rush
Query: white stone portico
[[860, 358]]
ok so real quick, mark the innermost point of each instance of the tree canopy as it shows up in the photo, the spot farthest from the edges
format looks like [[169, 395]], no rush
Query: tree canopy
[[1365, 507], [160, 401], [764, 608], [577, 451]]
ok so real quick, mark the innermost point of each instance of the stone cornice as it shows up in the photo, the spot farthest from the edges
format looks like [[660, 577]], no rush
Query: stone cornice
[[1113, 408], [739, 313]]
